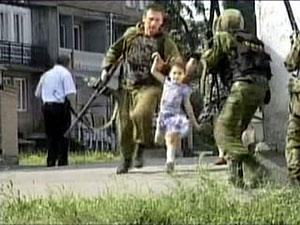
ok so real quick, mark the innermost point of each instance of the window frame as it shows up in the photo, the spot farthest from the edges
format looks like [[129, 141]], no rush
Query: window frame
[[62, 36], [79, 36], [22, 97], [3, 26], [18, 27]]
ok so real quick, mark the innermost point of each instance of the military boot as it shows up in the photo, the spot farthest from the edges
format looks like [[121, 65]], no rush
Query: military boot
[[294, 181], [259, 174], [236, 173], [138, 160], [124, 166]]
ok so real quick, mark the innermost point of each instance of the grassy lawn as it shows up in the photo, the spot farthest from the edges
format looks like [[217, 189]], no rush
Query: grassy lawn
[[206, 203], [39, 158]]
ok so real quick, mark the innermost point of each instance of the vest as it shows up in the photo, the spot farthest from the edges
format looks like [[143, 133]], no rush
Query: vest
[[250, 61], [139, 58]]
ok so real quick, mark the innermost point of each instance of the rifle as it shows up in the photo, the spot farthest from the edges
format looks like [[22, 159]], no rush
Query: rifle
[[291, 16], [293, 25], [214, 7], [101, 87]]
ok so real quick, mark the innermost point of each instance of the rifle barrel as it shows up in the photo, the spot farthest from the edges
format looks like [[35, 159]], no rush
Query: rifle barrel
[[291, 16]]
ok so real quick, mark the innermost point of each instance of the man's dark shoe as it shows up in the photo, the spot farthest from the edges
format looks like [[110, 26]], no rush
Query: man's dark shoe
[[62, 163], [51, 163], [236, 173], [138, 161], [294, 182], [124, 167]]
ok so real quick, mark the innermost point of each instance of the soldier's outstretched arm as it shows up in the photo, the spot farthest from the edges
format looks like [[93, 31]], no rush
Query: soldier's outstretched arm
[[116, 50], [154, 71]]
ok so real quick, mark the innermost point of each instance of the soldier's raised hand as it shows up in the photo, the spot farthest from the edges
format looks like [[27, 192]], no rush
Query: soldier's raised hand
[[157, 60]]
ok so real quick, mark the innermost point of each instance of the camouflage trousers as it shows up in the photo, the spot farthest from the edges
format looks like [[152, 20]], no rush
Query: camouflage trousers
[[134, 119], [243, 100], [213, 101], [292, 150]]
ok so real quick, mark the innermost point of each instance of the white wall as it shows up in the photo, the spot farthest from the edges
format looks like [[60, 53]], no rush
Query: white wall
[[274, 29]]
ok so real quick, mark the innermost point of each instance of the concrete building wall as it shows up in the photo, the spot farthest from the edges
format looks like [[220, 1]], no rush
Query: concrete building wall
[[45, 29], [27, 116], [274, 29], [8, 125]]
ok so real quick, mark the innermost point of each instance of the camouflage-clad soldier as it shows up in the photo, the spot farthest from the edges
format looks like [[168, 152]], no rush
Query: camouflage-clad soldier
[[215, 91], [292, 150], [140, 91], [248, 87]]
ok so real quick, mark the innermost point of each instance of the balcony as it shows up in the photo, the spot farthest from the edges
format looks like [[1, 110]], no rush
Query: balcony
[[22, 54], [83, 60]]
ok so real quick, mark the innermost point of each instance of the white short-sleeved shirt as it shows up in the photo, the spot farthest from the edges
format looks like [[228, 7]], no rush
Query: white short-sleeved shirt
[[55, 85]]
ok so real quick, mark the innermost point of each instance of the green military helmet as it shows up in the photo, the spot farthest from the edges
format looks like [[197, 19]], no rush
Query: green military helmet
[[231, 19]]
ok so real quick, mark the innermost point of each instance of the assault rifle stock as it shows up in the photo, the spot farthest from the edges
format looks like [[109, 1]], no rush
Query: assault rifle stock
[[101, 87]]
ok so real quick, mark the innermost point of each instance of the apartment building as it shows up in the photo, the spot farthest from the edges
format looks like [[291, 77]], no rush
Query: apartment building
[[34, 33]]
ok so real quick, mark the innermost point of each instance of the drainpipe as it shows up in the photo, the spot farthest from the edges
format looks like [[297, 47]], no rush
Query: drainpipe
[[1, 80], [73, 43], [111, 28]]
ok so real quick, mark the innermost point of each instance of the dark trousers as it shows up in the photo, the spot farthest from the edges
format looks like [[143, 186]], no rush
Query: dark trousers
[[57, 119]]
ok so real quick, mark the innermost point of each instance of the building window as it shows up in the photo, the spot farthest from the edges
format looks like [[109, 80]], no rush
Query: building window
[[62, 36], [21, 85], [18, 28], [77, 37], [7, 81], [131, 3], [3, 26]]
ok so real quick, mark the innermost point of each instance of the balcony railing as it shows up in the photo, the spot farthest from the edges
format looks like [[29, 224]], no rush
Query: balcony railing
[[23, 54], [88, 61]]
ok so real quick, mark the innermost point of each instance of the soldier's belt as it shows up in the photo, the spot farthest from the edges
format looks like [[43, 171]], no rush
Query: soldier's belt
[[294, 85], [254, 79], [128, 83]]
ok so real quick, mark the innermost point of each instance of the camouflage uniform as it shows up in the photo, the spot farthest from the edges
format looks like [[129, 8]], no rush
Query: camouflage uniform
[[140, 92], [248, 87], [292, 150]]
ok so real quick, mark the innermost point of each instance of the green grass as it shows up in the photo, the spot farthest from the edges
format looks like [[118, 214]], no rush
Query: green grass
[[39, 158], [206, 203]]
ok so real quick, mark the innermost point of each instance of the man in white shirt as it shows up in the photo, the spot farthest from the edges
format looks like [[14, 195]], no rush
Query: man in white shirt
[[56, 88]]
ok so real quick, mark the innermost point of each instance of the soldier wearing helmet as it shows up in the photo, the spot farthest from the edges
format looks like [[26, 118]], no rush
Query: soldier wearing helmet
[[247, 72]]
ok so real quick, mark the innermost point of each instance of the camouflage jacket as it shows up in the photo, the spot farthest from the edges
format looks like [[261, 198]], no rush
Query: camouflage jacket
[[123, 47], [225, 47]]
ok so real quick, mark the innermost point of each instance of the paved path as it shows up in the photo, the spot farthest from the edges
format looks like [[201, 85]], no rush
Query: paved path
[[92, 180]]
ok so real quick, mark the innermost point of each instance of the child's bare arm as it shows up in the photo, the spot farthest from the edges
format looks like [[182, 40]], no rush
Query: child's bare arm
[[157, 60], [190, 112]]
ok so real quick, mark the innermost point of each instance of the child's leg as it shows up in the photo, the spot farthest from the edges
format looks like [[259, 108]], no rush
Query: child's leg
[[173, 142]]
